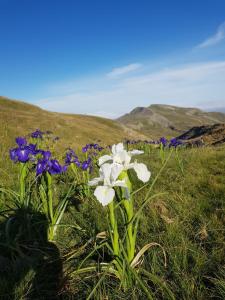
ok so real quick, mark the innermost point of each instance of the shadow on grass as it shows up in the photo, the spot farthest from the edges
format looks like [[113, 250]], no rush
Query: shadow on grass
[[30, 265]]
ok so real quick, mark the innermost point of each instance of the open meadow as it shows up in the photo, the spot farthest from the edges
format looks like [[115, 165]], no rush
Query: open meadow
[[59, 239]]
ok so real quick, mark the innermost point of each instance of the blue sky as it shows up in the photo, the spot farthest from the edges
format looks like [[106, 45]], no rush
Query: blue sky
[[107, 57]]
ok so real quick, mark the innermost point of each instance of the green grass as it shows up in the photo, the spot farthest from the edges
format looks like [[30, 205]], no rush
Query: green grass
[[187, 220]]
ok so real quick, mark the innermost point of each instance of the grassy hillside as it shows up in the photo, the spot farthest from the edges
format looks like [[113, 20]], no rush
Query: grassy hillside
[[186, 219], [18, 118], [158, 120]]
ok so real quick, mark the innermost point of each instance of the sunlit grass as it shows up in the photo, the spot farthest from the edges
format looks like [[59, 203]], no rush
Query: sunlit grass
[[187, 220]]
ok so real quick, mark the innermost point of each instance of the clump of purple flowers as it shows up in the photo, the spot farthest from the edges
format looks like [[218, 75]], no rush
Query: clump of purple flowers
[[71, 157], [132, 142], [175, 143], [40, 158], [37, 134], [47, 164], [163, 141], [91, 147]]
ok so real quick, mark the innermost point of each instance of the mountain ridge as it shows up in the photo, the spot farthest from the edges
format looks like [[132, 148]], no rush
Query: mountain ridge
[[162, 119]]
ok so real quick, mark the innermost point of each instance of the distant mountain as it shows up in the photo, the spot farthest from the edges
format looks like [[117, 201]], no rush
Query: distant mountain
[[157, 120], [205, 135]]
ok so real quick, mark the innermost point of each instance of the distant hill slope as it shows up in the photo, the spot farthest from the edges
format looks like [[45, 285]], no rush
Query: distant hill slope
[[205, 135], [19, 118], [157, 120]]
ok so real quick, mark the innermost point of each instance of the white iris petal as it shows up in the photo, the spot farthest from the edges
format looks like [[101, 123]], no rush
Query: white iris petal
[[104, 194], [117, 148], [115, 171], [135, 152], [104, 159], [95, 181], [105, 170], [141, 170]]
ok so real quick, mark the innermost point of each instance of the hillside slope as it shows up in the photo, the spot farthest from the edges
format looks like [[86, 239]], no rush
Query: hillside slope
[[157, 120], [19, 118], [205, 135]]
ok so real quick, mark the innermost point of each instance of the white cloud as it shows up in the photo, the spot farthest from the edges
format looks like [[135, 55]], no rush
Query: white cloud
[[104, 114], [199, 84], [215, 39], [124, 70]]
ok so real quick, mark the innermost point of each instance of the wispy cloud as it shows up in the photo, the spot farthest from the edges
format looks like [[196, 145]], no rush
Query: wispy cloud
[[116, 72], [214, 39], [198, 84]]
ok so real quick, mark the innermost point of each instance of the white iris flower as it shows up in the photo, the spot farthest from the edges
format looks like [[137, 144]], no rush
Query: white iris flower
[[121, 156], [108, 174]]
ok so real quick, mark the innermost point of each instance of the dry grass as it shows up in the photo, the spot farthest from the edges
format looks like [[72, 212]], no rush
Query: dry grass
[[18, 118]]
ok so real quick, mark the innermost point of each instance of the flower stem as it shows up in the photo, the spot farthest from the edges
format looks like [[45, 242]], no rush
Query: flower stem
[[74, 169], [114, 229], [130, 238], [49, 194], [129, 209], [23, 174]]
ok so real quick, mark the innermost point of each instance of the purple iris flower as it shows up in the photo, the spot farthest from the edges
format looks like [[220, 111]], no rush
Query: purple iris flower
[[84, 149], [46, 154], [32, 148], [41, 167], [71, 157], [163, 141], [85, 165], [68, 159], [77, 163], [52, 166], [23, 154], [21, 141], [174, 143], [91, 146], [37, 134], [13, 154]]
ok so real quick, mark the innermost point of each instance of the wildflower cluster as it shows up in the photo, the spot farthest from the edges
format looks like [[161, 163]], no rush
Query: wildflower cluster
[[47, 164], [95, 147], [35, 153], [41, 159], [71, 158], [174, 142], [87, 164], [37, 134], [112, 188]]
